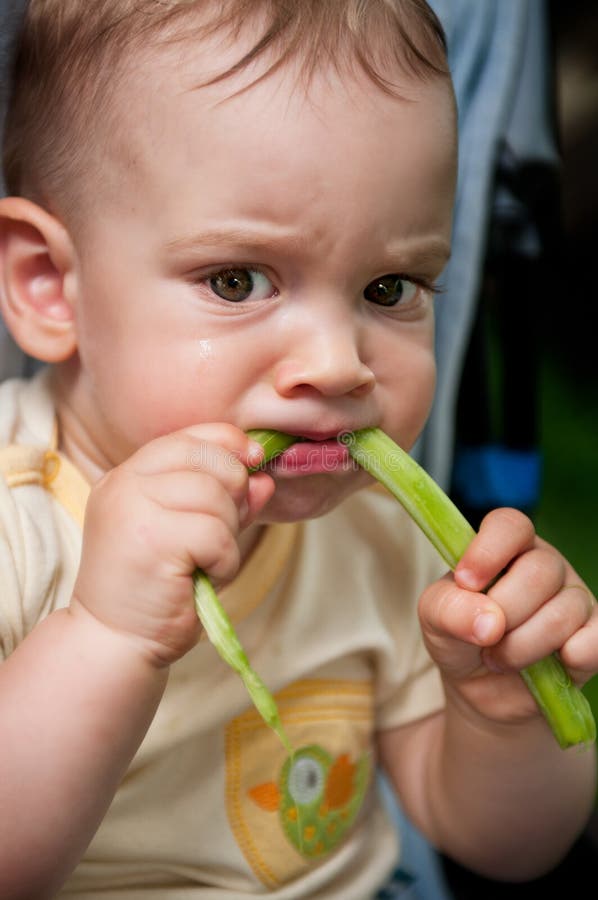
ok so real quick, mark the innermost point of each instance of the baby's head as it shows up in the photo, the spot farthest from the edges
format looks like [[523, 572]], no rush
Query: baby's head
[[234, 212]]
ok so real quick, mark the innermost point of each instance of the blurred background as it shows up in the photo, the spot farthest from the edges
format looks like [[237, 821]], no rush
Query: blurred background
[[567, 513], [568, 510]]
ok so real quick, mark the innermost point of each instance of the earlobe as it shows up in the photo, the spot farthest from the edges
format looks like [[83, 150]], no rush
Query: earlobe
[[36, 261]]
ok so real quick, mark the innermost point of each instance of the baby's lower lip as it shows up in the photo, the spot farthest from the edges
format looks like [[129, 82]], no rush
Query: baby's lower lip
[[311, 458]]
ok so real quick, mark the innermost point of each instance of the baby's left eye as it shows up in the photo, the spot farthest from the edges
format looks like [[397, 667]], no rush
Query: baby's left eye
[[390, 290], [238, 284]]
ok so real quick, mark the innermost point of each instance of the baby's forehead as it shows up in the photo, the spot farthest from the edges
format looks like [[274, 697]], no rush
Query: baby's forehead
[[217, 63], [184, 74], [243, 153], [235, 43]]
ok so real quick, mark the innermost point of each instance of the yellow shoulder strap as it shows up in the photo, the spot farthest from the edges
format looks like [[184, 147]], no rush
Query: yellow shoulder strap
[[51, 470]]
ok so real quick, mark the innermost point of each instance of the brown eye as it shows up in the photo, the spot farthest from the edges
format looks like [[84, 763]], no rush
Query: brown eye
[[236, 284], [232, 284], [390, 290]]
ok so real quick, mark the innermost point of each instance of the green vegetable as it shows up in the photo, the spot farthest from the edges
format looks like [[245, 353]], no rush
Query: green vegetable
[[219, 628], [221, 633], [564, 706], [273, 442]]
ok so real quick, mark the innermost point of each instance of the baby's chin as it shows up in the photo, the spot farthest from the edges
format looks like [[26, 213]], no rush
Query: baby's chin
[[309, 497]]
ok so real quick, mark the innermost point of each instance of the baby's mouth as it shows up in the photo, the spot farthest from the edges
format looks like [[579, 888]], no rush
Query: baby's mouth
[[311, 457]]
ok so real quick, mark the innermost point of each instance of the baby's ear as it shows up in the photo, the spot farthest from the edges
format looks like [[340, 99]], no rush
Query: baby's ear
[[36, 280]]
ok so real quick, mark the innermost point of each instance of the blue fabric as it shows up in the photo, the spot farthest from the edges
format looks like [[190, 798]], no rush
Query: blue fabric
[[419, 874], [401, 886], [490, 476], [497, 55]]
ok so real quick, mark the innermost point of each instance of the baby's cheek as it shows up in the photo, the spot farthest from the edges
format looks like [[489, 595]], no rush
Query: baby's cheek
[[414, 396]]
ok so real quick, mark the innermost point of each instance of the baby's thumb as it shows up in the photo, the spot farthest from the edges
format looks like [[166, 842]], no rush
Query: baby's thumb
[[260, 490], [457, 624]]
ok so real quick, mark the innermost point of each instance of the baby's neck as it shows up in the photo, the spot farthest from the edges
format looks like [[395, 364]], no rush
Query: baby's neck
[[74, 441]]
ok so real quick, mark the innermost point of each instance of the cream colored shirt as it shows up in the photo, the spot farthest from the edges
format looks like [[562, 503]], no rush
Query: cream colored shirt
[[212, 806]]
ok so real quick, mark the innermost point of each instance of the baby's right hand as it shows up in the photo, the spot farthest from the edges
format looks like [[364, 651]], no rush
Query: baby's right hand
[[175, 505]]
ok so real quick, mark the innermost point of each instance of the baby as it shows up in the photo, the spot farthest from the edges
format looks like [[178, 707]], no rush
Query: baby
[[227, 216]]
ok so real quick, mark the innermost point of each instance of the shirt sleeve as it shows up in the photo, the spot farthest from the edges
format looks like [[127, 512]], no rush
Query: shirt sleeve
[[29, 562]]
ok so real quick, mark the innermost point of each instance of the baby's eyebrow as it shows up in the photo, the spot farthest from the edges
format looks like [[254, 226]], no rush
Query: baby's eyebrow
[[430, 254], [251, 238]]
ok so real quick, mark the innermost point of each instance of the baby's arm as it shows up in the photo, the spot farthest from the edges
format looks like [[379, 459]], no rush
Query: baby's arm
[[78, 695], [486, 780]]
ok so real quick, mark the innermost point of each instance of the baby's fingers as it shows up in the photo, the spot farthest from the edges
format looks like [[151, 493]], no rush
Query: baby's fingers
[[261, 488], [550, 628], [220, 450], [193, 492], [580, 653], [533, 578], [503, 535], [452, 618]]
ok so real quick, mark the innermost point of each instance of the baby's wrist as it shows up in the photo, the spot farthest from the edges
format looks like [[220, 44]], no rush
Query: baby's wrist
[[115, 642], [498, 710]]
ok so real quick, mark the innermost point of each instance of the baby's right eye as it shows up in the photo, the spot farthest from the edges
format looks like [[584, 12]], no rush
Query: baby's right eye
[[238, 284]]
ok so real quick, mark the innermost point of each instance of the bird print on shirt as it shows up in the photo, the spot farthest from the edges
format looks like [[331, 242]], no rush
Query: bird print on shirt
[[317, 798]]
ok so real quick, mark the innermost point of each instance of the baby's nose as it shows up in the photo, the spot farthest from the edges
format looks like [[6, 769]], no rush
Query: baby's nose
[[328, 362]]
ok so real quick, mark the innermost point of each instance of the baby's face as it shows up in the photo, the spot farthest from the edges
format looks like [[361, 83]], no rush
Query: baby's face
[[262, 259]]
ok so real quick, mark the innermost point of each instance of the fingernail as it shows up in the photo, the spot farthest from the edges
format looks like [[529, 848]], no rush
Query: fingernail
[[467, 579], [255, 453], [484, 626], [243, 510]]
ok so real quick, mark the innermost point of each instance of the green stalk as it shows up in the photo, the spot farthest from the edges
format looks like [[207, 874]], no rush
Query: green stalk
[[219, 627], [273, 442], [221, 633], [564, 706]]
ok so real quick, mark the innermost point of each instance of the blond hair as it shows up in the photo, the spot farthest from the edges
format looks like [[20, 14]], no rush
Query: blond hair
[[67, 57]]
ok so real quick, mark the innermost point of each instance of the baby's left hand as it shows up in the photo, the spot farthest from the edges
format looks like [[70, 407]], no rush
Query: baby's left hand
[[481, 641]]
